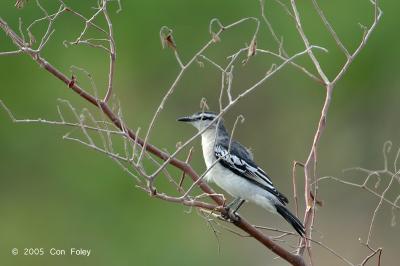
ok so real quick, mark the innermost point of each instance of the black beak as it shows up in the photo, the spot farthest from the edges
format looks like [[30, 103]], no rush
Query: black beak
[[185, 119]]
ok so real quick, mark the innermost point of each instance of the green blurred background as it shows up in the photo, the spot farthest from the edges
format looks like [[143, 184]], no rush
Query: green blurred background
[[54, 193]]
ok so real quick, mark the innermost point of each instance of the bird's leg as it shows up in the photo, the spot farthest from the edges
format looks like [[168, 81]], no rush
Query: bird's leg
[[232, 208], [233, 203], [240, 203]]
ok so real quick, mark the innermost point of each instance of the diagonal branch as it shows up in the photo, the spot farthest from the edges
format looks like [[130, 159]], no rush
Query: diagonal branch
[[330, 29], [104, 107], [307, 43]]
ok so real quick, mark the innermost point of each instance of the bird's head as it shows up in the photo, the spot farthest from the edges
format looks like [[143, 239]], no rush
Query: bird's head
[[201, 120]]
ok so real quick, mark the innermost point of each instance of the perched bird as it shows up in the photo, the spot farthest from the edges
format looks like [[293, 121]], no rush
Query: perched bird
[[230, 165]]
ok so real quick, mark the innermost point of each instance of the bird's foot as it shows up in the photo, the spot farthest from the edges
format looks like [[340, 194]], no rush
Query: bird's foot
[[230, 215]]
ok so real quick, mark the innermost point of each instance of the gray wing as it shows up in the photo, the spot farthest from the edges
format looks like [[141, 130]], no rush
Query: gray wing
[[239, 160]]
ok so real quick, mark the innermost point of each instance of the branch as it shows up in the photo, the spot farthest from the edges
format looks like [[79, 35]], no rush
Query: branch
[[307, 43], [310, 165], [103, 106], [111, 52]]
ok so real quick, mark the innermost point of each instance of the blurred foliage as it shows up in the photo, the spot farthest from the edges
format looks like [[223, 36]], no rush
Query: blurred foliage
[[54, 193]]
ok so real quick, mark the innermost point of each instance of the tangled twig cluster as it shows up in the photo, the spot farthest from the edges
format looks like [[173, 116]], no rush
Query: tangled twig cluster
[[99, 134]]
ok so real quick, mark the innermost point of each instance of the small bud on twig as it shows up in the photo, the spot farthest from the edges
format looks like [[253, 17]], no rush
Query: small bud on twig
[[203, 104], [178, 144], [271, 69], [72, 81], [32, 39]]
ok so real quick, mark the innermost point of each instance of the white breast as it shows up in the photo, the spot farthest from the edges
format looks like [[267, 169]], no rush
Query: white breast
[[224, 178], [229, 181], [208, 143]]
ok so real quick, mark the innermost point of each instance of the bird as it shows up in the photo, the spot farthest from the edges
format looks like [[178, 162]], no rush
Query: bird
[[231, 166]]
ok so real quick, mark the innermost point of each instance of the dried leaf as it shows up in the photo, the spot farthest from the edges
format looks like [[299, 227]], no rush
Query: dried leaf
[[213, 31], [215, 37], [20, 3], [168, 41], [252, 48], [166, 38]]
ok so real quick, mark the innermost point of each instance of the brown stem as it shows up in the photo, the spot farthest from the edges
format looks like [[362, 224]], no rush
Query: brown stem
[[309, 170], [310, 165]]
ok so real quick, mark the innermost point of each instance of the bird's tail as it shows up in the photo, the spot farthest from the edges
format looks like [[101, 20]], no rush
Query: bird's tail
[[290, 218]]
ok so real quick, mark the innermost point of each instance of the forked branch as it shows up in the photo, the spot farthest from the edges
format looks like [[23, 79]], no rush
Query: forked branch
[[115, 119]]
